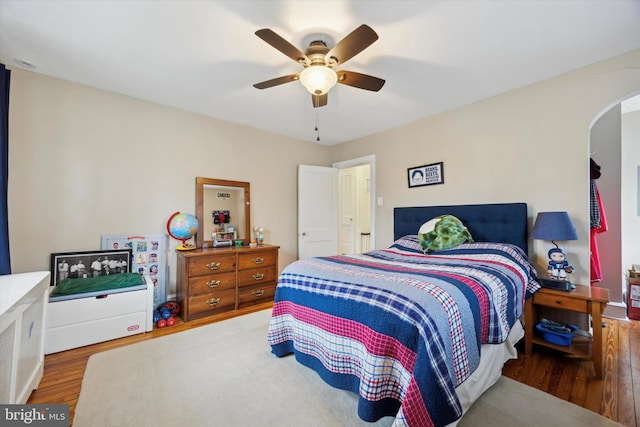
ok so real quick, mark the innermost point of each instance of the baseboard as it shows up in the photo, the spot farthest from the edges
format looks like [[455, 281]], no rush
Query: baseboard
[[616, 310]]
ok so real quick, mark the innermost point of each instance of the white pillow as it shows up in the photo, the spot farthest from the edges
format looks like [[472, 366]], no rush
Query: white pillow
[[429, 226]]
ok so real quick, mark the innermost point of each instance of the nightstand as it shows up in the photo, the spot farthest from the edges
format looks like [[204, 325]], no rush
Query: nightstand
[[584, 299]]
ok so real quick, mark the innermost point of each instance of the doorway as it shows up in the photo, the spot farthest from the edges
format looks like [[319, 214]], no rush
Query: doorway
[[356, 207], [354, 210], [612, 146]]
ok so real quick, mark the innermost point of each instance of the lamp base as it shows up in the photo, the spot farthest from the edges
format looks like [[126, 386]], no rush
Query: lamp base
[[558, 285]]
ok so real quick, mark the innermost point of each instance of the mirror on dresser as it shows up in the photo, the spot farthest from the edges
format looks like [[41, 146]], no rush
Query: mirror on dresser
[[230, 200]]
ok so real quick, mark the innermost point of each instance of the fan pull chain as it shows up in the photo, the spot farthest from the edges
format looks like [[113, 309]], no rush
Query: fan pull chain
[[317, 125]]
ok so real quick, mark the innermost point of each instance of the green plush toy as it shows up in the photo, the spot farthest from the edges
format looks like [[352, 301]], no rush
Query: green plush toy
[[443, 232]]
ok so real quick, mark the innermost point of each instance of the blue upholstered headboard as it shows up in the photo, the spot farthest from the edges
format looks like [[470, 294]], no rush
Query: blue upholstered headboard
[[498, 222]]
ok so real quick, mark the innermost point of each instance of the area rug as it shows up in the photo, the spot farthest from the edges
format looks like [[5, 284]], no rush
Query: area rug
[[224, 374]]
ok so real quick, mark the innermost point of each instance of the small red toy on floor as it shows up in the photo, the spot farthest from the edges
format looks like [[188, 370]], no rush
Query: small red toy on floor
[[165, 314]]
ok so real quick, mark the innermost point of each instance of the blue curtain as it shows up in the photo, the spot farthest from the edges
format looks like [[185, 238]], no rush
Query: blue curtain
[[5, 259]]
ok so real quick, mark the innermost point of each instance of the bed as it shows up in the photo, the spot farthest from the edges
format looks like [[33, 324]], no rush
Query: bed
[[417, 337], [86, 311]]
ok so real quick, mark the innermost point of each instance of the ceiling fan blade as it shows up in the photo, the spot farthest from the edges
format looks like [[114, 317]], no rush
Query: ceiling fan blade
[[361, 81], [319, 100], [282, 45], [277, 81], [354, 43]]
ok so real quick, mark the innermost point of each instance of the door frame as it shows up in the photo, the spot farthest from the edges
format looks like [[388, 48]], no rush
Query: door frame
[[371, 161]]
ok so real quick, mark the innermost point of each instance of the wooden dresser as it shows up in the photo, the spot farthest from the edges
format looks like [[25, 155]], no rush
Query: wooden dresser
[[217, 280]]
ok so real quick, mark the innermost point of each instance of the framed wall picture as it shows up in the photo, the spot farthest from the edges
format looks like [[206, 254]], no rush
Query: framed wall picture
[[82, 265], [430, 174], [149, 256]]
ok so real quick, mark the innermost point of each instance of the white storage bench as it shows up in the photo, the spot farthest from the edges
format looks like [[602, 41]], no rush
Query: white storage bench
[[84, 319]]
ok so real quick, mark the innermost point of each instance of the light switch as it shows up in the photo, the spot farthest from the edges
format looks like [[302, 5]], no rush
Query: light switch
[[380, 201]]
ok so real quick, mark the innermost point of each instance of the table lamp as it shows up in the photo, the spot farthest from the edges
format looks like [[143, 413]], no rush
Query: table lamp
[[555, 226]]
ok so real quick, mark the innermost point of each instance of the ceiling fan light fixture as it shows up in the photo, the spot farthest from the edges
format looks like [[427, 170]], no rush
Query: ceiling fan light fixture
[[318, 79]]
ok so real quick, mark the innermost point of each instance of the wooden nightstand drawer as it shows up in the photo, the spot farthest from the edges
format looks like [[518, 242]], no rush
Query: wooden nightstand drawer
[[560, 301]]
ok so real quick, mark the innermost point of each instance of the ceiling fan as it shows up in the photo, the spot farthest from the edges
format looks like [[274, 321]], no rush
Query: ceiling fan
[[318, 60]]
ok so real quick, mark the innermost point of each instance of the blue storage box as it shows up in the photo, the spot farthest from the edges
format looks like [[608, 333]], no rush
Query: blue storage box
[[558, 338]]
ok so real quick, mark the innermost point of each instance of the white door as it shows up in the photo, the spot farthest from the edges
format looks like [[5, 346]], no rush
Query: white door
[[347, 210], [317, 211]]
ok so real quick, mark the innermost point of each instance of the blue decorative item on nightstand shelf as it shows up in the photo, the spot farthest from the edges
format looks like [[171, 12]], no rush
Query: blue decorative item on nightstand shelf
[[556, 333]]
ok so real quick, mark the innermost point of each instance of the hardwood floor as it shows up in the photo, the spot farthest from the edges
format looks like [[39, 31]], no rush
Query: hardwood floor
[[616, 396]]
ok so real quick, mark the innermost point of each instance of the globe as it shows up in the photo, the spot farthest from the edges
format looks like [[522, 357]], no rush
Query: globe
[[182, 226]]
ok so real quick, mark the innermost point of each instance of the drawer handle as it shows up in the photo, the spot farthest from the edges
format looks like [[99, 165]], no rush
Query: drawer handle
[[258, 276], [213, 265], [558, 301], [258, 260], [213, 283], [258, 293], [213, 302]]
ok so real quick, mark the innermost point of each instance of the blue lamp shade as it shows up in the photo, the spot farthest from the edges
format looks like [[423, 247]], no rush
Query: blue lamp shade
[[553, 226]]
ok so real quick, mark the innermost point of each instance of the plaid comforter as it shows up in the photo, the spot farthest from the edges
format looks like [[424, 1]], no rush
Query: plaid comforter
[[400, 328]]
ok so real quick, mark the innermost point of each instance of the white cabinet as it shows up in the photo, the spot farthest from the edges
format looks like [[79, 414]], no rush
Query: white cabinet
[[23, 301]]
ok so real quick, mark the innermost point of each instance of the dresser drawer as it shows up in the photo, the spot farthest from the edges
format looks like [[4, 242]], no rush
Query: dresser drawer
[[253, 260], [211, 283], [212, 264], [256, 294], [257, 275], [216, 301], [561, 301]]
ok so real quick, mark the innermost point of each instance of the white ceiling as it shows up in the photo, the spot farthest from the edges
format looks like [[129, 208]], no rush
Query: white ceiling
[[203, 56]]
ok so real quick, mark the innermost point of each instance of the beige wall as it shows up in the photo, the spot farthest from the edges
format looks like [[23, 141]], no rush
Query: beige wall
[[528, 145], [85, 162]]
